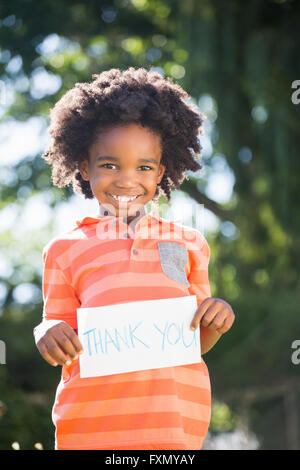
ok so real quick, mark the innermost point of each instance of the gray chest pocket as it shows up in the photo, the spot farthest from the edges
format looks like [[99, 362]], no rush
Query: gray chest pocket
[[173, 258]]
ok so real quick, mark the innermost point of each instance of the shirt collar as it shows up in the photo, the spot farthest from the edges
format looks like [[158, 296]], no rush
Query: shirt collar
[[103, 211], [142, 218]]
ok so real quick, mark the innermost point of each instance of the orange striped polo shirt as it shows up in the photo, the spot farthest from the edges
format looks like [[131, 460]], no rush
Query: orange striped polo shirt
[[104, 261]]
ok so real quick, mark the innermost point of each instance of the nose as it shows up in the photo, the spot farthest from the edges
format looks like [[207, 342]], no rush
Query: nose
[[126, 179]]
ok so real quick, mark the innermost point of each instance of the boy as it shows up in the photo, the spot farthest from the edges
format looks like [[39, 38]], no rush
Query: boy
[[124, 139]]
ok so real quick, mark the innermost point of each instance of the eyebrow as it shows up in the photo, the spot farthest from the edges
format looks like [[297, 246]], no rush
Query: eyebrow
[[116, 159]]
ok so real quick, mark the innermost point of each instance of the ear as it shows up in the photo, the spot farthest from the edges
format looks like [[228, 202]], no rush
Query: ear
[[84, 170], [161, 172]]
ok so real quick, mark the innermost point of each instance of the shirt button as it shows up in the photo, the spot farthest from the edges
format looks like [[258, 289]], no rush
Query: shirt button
[[126, 235], [135, 251]]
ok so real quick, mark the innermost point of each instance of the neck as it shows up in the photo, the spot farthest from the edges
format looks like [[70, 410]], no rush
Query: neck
[[132, 220]]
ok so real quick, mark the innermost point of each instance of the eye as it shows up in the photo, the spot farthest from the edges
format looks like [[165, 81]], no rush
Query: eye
[[144, 166], [106, 165]]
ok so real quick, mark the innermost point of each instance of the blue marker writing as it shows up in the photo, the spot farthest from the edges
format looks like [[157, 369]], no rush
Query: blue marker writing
[[133, 336]]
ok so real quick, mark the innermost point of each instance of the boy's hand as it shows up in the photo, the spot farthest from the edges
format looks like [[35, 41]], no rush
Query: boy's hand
[[215, 314], [57, 342]]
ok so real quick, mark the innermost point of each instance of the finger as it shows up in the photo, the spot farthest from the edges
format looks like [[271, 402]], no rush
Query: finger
[[200, 312], [210, 314], [70, 333], [44, 353], [65, 344], [227, 325], [219, 320], [49, 359], [56, 353]]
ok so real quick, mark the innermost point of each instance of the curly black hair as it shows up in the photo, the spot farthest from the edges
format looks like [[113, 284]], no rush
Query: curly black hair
[[115, 98]]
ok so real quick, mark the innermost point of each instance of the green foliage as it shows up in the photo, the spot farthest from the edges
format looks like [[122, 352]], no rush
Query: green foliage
[[24, 420], [223, 419]]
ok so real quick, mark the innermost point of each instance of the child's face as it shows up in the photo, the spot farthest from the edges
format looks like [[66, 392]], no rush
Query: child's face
[[124, 161]]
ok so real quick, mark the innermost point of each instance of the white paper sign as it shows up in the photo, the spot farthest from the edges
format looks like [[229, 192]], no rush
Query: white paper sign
[[138, 336]]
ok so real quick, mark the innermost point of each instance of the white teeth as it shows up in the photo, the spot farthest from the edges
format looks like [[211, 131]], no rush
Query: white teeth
[[123, 198]]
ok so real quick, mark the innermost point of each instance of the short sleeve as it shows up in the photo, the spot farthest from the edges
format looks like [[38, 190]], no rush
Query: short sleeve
[[198, 276], [60, 300]]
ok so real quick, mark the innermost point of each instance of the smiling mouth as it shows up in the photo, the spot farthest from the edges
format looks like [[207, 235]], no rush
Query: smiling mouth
[[124, 199]]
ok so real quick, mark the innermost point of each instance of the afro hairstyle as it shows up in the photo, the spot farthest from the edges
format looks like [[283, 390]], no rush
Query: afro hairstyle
[[115, 98]]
